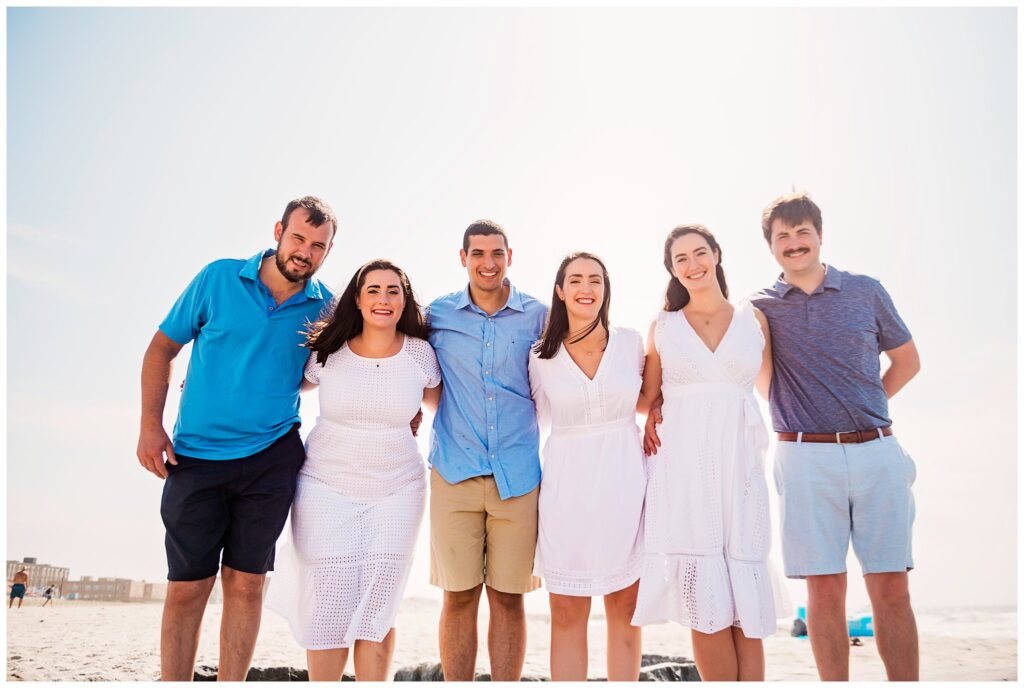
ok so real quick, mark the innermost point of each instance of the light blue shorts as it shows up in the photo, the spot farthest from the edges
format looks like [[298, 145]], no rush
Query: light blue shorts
[[831, 492]]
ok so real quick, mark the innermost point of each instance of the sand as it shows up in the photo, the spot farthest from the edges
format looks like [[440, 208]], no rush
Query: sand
[[94, 641]]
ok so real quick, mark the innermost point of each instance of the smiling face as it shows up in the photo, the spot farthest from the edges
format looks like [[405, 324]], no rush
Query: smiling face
[[583, 288], [301, 247], [381, 299], [486, 261], [796, 248], [693, 263]]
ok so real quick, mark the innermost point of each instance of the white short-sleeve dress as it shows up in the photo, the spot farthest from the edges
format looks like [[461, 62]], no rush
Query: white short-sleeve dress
[[342, 570], [591, 506], [707, 530]]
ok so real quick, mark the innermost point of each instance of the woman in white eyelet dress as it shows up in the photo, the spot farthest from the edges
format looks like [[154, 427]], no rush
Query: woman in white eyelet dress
[[342, 570], [590, 529], [590, 510], [707, 531]]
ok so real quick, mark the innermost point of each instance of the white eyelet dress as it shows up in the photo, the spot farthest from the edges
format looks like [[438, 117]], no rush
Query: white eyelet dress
[[342, 570], [591, 505], [707, 529]]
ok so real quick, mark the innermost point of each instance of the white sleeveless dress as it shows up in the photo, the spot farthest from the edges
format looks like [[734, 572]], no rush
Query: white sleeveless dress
[[591, 505], [342, 570], [707, 530]]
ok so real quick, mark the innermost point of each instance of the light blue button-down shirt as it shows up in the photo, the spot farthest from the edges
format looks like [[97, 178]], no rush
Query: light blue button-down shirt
[[242, 386], [486, 423]]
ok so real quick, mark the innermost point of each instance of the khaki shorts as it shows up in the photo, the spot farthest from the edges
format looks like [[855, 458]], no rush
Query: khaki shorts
[[476, 537]]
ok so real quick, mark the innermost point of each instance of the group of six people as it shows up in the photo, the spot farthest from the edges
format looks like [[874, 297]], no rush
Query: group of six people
[[668, 523]]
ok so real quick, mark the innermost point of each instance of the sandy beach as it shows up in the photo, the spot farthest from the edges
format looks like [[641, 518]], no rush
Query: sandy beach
[[94, 641]]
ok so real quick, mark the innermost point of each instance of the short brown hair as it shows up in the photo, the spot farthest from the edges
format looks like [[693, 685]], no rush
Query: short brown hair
[[483, 228], [792, 209], [319, 212]]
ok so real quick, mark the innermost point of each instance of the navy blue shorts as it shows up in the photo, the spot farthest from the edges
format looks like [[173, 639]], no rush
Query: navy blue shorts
[[238, 506]]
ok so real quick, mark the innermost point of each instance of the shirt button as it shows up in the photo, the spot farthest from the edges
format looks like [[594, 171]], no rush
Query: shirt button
[[488, 343], [492, 456], [487, 372], [271, 308], [490, 398], [492, 427]]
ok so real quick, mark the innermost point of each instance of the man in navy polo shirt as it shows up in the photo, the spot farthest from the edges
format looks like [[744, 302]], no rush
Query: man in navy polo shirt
[[840, 472], [230, 471]]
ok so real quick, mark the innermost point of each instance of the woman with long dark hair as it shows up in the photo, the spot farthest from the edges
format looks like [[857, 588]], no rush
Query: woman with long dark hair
[[707, 529], [360, 493], [585, 377]]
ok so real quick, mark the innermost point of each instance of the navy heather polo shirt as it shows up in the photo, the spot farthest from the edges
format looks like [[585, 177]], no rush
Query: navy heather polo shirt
[[825, 350]]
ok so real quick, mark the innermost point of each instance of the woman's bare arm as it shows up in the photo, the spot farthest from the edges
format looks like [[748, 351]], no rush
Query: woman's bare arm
[[764, 376]]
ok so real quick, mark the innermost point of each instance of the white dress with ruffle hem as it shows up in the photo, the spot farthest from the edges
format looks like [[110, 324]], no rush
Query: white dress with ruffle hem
[[707, 531]]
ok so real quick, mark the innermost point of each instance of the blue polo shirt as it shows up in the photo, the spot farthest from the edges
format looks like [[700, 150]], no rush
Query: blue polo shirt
[[486, 422], [825, 352], [242, 386]]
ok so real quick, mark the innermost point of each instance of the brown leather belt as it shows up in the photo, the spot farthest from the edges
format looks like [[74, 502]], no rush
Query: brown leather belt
[[853, 437]]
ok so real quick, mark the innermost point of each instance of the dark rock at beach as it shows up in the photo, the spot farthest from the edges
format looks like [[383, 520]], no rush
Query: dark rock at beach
[[799, 629], [653, 668], [277, 674], [664, 668], [669, 671], [421, 672], [205, 673], [649, 660], [209, 673], [432, 672]]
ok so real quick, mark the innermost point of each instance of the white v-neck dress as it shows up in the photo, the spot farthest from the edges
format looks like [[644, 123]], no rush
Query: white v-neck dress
[[707, 530], [590, 511], [342, 568]]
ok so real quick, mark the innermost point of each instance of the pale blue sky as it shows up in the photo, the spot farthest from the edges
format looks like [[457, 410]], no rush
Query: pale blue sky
[[144, 143]]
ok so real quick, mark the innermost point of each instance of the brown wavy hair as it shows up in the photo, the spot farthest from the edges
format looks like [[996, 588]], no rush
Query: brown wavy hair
[[792, 209], [676, 295], [557, 327], [344, 321]]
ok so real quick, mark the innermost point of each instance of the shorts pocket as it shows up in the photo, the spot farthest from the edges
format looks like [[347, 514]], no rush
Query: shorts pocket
[[777, 471], [911, 466]]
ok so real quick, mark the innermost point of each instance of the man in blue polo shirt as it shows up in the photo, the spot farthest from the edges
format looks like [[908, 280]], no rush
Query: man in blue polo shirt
[[231, 469], [840, 472], [484, 458]]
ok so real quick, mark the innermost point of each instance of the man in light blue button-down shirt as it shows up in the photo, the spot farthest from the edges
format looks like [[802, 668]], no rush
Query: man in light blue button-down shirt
[[485, 459]]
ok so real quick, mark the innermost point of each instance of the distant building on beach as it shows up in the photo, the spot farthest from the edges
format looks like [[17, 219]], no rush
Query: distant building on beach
[[40, 576], [114, 590], [155, 591], [107, 589]]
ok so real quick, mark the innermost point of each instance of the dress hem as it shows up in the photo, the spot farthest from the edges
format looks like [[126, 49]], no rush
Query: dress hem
[[583, 585], [596, 591], [709, 594]]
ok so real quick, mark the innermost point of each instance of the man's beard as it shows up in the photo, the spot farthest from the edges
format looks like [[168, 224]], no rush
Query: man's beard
[[288, 268]]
